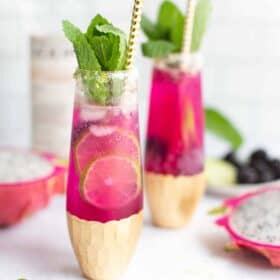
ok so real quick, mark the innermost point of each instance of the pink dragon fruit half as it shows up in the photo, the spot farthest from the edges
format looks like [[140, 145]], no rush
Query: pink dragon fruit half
[[253, 222], [28, 180]]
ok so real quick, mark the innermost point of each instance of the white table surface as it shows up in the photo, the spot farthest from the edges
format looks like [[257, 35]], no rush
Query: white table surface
[[39, 249]]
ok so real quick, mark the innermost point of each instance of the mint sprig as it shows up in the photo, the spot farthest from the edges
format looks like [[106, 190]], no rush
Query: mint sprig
[[102, 48], [219, 125], [118, 44], [169, 29], [152, 30], [86, 57], [157, 48], [96, 21], [202, 15]]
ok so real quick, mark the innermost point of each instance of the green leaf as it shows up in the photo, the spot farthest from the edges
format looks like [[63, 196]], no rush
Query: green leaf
[[85, 54], [168, 16], [118, 57], [201, 19], [97, 20], [170, 25], [177, 32], [118, 85], [219, 125], [152, 31], [110, 29], [96, 87], [119, 46], [103, 49], [158, 48]]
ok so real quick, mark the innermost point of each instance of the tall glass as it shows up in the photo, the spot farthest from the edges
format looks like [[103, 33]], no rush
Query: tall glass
[[174, 151], [104, 196]]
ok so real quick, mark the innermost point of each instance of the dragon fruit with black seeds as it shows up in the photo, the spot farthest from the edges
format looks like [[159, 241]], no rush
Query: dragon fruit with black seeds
[[253, 222], [28, 180]]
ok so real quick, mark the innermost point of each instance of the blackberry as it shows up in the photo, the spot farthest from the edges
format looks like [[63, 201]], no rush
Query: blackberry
[[247, 175], [275, 165], [260, 165], [266, 175], [231, 158], [258, 155], [265, 171], [157, 147]]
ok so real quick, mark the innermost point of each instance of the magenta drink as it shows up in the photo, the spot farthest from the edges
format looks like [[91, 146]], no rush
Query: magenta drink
[[105, 142], [174, 150], [176, 123], [104, 195]]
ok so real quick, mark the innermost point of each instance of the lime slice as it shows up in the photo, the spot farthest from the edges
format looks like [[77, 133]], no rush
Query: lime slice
[[220, 173], [111, 182], [93, 144]]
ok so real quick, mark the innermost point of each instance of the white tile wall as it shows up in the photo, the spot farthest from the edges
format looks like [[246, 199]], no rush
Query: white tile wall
[[242, 61]]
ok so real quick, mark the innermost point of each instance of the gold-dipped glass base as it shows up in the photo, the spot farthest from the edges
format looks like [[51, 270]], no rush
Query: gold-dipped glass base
[[104, 250], [173, 200]]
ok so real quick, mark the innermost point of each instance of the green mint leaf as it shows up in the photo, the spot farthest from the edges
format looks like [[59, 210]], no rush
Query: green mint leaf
[[202, 15], [110, 29], [219, 125], [119, 50], [177, 32], [118, 85], [97, 20], [168, 16], [119, 46], [96, 87], [158, 48], [103, 49], [151, 30], [170, 25], [85, 54]]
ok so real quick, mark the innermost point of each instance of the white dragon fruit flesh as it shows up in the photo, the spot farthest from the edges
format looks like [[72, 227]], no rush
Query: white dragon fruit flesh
[[27, 182], [253, 222]]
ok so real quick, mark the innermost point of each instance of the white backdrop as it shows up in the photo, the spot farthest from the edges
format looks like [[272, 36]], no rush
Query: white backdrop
[[241, 50]]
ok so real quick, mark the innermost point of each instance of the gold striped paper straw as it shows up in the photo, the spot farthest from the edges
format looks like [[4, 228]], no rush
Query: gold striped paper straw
[[189, 26], [134, 30]]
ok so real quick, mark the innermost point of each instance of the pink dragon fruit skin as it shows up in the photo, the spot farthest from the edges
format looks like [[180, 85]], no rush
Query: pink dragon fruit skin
[[270, 251]]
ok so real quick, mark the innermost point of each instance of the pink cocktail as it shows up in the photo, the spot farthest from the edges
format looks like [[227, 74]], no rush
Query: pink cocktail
[[174, 150], [110, 147], [104, 194]]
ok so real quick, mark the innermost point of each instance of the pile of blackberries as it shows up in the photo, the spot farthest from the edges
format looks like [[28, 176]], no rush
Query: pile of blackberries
[[259, 168]]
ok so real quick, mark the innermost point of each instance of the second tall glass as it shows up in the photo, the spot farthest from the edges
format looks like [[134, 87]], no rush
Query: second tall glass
[[104, 196], [174, 152]]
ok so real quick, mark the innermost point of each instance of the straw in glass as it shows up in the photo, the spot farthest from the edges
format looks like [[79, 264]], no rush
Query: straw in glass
[[134, 31], [189, 26]]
